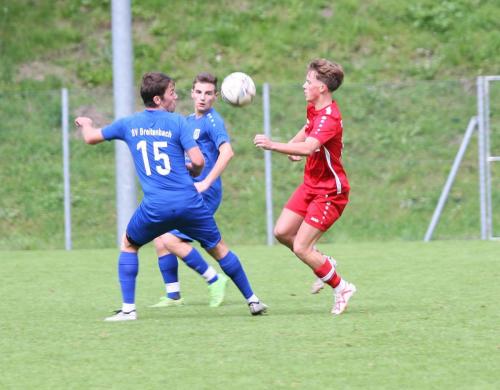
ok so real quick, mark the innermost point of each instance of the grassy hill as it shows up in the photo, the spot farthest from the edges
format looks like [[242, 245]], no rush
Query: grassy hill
[[374, 40], [408, 95]]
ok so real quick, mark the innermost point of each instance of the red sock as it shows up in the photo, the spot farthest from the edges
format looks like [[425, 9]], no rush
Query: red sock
[[327, 273]]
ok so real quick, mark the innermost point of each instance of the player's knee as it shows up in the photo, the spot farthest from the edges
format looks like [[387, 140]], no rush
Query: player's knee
[[219, 251], [300, 250], [284, 238], [160, 247], [127, 246], [280, 234]]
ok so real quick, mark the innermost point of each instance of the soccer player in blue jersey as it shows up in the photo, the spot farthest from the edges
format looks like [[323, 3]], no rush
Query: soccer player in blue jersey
[[158, 140], [208, 129]]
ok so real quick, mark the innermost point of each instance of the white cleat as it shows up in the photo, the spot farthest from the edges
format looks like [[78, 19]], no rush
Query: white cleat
[[342, 298], [257, 308], [122, 316], [318, 284]]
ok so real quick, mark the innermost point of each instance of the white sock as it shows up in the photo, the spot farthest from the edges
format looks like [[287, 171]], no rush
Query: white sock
[[340, 286], [253, 298], [128, 307], [173, 287], [209, 274]]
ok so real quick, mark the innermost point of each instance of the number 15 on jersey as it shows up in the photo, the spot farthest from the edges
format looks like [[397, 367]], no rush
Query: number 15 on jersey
[[163, 165]]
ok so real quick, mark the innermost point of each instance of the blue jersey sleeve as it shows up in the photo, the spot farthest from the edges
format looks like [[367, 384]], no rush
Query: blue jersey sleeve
[[217, 131], [115, 130]]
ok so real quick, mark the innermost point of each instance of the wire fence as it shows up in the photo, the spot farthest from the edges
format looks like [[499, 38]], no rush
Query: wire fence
[[400, 142]]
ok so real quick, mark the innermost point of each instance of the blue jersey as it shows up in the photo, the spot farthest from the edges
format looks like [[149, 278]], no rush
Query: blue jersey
[[157, 140], [210, 133]]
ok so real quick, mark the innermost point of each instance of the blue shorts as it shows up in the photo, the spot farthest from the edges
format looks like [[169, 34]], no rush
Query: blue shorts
[[212, 199], [193, 220]]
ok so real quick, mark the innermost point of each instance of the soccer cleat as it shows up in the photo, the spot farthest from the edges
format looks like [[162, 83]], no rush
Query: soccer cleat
[[257, 308], [217, 291], [169, 302], [318, 284], [342, 298], [120, 315]]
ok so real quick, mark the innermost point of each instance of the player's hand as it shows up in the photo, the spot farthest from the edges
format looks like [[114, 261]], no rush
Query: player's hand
[[294, 158], [189, 166], [82, 121], [201, 186], [261, 141]]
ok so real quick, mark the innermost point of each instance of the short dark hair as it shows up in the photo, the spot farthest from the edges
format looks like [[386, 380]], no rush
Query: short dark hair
[[205, 77], [154, 84], [328, 72]]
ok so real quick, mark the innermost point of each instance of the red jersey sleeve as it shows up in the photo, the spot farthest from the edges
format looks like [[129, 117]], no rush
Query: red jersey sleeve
[[324, 128]]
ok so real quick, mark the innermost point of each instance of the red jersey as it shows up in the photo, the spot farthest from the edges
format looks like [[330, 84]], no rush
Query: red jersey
[[323, 172]]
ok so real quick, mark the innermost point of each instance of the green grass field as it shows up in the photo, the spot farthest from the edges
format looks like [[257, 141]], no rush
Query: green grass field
[[425, 316]]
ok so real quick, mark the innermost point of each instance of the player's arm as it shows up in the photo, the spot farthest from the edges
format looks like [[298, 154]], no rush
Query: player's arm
[[225, 155], [299, 137], [195, 166], [91, 135], [299, 148]]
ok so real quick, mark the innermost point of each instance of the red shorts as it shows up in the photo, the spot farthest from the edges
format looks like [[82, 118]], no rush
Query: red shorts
[[319, 211]]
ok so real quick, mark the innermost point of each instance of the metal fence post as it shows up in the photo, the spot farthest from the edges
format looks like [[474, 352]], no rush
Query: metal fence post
[[451, 178], [266, 105], [66, 172], [482, 157], [123, 87]]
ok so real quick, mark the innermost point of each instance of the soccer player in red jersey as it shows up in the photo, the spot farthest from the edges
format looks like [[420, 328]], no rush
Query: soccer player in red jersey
[[320, 200]]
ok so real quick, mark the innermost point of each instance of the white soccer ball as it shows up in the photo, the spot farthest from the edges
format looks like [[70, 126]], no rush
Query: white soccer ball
[[238, 89]]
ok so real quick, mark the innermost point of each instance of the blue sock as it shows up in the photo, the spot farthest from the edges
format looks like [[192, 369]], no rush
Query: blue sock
[[128, 268], [195, 261], [169, 270], [231, 265]]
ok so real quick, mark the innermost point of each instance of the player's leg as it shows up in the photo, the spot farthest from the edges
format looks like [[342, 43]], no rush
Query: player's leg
[[128, 268], [232, 267], [140, 230], [200, 224], [168, 265], [289, 223], [292, 216], [287, 226], [322, 213], [322, 266], [304, 245], [285, 231], [177, 247], [212, 197], [318, 284]]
